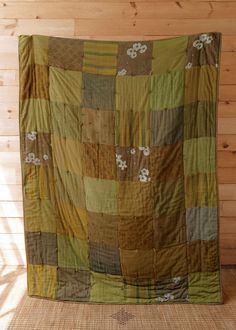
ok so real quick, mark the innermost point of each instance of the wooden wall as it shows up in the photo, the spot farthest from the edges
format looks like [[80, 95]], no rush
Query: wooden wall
[[109, 20]]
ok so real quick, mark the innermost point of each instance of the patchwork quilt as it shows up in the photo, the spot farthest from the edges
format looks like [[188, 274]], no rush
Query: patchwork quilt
[[118, 161]]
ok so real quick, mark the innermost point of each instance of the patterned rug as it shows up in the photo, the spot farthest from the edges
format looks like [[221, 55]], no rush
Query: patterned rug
[[118, 159]]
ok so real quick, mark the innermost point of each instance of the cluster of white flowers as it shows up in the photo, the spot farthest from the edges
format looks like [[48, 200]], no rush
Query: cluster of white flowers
[[204, 38], [31, 158], [166, 297], [122, 72], [143, 176], [146, 150], [176, 280], [32, 135], [137, 47], [121, 163]]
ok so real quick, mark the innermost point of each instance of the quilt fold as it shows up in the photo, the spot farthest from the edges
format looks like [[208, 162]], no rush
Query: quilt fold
[[119, 168]]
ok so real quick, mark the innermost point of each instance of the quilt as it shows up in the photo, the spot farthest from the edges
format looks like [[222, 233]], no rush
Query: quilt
[[119, 168]]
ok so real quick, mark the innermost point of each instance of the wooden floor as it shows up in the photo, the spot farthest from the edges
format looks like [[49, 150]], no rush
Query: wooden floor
[[18, 311]]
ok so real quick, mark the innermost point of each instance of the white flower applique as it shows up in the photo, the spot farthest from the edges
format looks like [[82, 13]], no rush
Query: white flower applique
[[189, 65], [177, 279], [30, 158], [146, 150], [143, 176], [203, 38], [137, 47], [121, 163], [122, 72], [166, 297], [32, 135]]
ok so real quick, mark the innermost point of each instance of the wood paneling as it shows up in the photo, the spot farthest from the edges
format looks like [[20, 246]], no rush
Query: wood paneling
[[112, 20]]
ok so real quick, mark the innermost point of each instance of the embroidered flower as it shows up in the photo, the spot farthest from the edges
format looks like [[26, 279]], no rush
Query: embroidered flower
[[137, 47], [209, 39], [177, 279], [203, 38], [143, 176], [146, 151], [197, 44], [166, 297], [132, 151], [36, 161], [122, 72], [132, 53], [45, 157], [121, 163], [144, 171], [31, 136], [31, 156], [189, 65]]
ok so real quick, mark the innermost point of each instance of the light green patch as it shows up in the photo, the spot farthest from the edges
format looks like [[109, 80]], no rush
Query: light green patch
[[204, 288], [106, 288], [40, 44], [65, 86], [35, 115], [167, 90], [101, 195], [169, 54], [72, 252], [199, 155]]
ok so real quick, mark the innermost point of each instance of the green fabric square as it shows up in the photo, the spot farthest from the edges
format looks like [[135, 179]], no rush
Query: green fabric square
[[72, 252], [40, 215], [35, 115], [171, 190], [98, 91], [65, 86], [106, 288], [201, 84], [101, 195], [69, 187], [167, 90], [40, 44], [199, 119], [199, 155], [133, 93], [169, 54], [71, 117], [204, 287]]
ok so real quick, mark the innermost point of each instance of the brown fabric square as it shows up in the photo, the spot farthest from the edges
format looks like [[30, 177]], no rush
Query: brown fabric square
[[65, 53], [34, 82], [36, 148], [136, 232], [169, 196], [202, 256], [135, 198], [203, 49], [170, 262], [137, 263], [135, 58], [169, 230], [41, 248], [136, 159], [107, 160], [97, 158], [98, 126], [73, 284], [104, 259], [103, 228], [162, 160]]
